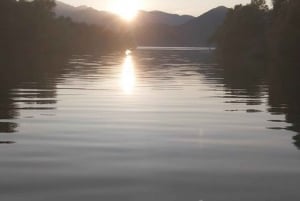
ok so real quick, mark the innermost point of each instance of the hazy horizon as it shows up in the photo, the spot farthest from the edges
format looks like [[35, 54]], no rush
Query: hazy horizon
[[193, 7]]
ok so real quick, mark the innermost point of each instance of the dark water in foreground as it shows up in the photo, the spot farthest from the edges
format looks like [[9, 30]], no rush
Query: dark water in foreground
[[157, 125]]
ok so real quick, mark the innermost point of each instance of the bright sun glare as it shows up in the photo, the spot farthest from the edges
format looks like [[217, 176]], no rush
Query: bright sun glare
[[127, 9]]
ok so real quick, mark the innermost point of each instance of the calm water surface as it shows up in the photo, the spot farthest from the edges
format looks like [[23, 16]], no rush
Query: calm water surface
[[155, 125]]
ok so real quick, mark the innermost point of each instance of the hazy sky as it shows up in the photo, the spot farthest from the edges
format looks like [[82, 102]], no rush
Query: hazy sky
[[192, 7]]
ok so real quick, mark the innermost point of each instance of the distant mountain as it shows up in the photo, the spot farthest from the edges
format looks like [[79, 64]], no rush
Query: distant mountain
[[92, 16], [63, 9], [154, 28], [158, 17], [199, 30], [195, 32], [86, 14]]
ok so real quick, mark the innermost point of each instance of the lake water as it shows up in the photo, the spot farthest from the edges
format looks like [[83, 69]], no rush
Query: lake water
[[159, 124]]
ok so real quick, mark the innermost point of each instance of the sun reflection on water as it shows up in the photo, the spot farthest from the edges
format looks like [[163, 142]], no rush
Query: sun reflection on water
[[128, 77]]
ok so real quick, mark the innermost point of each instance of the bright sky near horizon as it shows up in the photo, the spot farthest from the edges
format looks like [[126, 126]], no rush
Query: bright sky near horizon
[[191, 7]]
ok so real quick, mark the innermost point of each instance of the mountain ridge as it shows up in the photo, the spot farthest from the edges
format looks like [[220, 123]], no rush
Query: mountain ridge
[[153, 27]]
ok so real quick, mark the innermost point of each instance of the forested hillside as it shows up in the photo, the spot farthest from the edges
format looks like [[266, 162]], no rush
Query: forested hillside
[[31, 26]]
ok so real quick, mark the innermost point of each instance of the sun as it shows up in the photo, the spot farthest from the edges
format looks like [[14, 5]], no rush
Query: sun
[[127, 9]]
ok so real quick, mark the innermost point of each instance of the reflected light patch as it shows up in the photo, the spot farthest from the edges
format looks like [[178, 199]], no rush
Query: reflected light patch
[[128, 77]]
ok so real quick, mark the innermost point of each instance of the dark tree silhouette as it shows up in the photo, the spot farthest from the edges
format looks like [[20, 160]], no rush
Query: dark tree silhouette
[[253, 33], [242, 36], [32, 27]]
